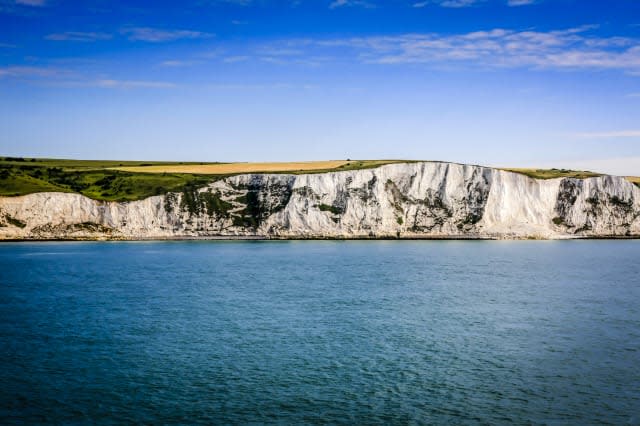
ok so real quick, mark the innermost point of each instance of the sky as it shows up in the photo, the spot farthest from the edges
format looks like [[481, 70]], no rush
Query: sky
[[522, 83]]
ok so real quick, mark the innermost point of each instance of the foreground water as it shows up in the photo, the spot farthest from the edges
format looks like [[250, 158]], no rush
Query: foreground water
[[314, 332]]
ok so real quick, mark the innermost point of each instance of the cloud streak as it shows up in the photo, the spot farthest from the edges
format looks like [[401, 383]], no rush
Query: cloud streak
[[155, 35], [456, 4], [608, 135], [177, 63], [568, 49], [35, 3], [133, 84], [78, 36], [350, 3], [68, 78], [31, 72], [520, 2], [459, 3]]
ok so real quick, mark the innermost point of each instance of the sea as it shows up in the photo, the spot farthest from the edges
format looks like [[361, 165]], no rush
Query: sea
[[320, 332]]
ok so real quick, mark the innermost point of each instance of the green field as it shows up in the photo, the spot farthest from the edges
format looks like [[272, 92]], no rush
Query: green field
[[135, 180], [95, 179], [554, 173]]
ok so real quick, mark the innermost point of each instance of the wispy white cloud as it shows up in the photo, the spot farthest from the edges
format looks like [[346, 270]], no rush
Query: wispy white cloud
[[520, 2], [78, 36], [447, 3], [7, 46], [459, 3], [234, 59], [260, 86], [572, 48], [156, 35], [350, 3], [236, 2], [132, 84], [280, 51], [607, 135], [633, 95], [36, 3], [468, 3], [22, 7], [30, 72], [58, 77], [176, 63]]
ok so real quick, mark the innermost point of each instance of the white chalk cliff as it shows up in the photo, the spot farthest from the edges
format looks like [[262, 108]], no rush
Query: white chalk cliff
[[412, 200]]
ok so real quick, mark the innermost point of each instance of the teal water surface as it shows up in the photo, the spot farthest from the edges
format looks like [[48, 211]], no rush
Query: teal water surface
[[386, 332]]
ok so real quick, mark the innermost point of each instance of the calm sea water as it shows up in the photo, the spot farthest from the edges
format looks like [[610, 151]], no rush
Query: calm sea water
[[321, 332]]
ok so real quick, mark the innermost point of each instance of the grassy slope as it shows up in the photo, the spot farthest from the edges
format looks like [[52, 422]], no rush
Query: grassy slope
[[554, 173], [134, 180], [91, 178]]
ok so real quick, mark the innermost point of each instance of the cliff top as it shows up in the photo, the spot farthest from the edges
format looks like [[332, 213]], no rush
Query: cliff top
[[134, 180]]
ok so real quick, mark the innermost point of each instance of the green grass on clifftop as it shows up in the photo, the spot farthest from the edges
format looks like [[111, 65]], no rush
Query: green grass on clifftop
[[554, 173], [90, 178]]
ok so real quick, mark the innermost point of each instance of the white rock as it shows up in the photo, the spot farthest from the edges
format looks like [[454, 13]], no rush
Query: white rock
[[413, 200]]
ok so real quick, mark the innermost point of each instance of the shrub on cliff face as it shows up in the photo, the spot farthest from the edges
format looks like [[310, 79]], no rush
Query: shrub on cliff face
[[15, 222], [621, 204], [215, 206], [333, 209], [196, 202], [169, 199]]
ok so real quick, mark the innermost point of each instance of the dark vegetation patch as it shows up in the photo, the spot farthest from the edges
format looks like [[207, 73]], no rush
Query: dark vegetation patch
[[330, 208], [626, 206], [469, 220], [433, 212], [202, 202], [15, 222], [261, 200], [90, 227], [567, 195], [365, 192], [475, 201], [396, 195]]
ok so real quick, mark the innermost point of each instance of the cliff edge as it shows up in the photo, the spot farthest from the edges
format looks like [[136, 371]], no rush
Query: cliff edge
[[408, 200]]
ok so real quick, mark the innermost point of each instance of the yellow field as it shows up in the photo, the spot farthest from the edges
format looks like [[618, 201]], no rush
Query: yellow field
[[237, 168], [233, 168], [634, 179]]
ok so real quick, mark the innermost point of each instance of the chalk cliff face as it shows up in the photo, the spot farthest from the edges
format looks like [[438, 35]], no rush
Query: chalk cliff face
[[414, 200]]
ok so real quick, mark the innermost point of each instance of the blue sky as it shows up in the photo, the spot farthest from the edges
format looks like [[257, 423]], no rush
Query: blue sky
[[497, 82]]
